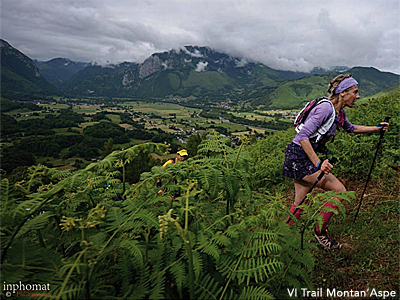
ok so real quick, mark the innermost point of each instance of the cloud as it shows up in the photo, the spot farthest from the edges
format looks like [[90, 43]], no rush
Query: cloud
[[196, 52], [292, 35], [201, 66]]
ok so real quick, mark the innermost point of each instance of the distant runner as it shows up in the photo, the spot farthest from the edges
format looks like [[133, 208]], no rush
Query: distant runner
[[181, 155], [301, 161]]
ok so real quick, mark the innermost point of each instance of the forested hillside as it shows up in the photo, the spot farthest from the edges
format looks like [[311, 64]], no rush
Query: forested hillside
[[217, 230], [20, 78], [196, 76]]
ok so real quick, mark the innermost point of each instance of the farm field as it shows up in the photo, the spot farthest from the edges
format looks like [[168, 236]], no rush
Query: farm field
[[177, 121], [169, 117]]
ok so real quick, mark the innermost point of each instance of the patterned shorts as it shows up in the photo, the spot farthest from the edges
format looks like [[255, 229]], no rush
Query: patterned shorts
[[297, 164]]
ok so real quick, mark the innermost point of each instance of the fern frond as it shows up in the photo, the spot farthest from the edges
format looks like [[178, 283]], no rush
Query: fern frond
[[197, 263], [210, 180], [74, 291], [214, 144], [59, 175], [177, 246], [158, 289], [98, 239], [146, 216], [126, 268], [135, 250], [208, 288], [70, 267], [180, 275], [254, 292], [122, 157], [210, 249], [35, 223], [115, 218], [27, 259], [260, 247], [221, 239], [4, 192], [255, 268], [24, 208]]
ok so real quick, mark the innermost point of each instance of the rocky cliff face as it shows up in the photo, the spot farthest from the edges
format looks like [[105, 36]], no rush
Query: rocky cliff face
[[165, 73], [150, 66], [189, 57], [128, 78]]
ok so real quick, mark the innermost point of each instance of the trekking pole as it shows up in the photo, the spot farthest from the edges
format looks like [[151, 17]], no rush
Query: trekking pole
[[381, 133], [331, 161]]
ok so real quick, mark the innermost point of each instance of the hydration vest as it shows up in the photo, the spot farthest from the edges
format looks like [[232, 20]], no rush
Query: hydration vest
[[303, 114]]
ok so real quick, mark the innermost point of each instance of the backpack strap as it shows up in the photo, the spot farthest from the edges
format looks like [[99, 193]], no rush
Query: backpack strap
[[303, 114], [325, 127], [305, 111]]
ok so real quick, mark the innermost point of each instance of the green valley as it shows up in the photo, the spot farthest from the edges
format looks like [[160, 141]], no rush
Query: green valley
[[218, 228], [88, 211]]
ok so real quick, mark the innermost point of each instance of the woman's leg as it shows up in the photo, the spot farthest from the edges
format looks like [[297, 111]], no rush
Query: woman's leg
[[301, 188], [328, 183]]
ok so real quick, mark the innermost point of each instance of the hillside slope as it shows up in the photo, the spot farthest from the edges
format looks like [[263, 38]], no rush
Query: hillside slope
[[294, 93], [20, 78]]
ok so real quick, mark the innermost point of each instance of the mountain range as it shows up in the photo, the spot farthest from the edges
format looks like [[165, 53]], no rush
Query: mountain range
[[190, 73], [20, 77]]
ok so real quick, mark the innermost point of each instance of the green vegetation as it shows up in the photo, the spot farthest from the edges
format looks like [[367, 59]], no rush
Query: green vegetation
[[82, 210], [207, 80], [76, 128], [216, 232], [194, 246], [292, 93], [20, 78]]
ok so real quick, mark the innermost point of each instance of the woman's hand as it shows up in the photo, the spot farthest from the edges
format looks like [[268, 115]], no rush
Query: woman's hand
[[326, 167], [384, 126]]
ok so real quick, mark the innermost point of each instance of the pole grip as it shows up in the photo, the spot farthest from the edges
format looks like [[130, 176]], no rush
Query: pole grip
[[332, 161], [381, 131], [386, 120]]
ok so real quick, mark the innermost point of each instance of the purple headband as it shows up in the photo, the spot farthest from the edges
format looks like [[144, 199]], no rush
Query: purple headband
[[344, 85]]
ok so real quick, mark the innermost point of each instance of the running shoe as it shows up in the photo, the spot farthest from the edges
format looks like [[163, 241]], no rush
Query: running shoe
[[327, 242]]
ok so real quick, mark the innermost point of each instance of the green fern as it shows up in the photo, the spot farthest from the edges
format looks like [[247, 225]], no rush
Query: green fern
[[121, 254], [253, 292], [209, 179], [208, 287], [179, 273]]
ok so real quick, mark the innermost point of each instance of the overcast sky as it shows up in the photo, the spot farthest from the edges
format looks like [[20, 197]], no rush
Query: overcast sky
[[283, 34]]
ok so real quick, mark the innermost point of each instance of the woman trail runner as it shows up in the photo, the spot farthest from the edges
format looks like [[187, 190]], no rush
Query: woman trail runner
[[301, 161]]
